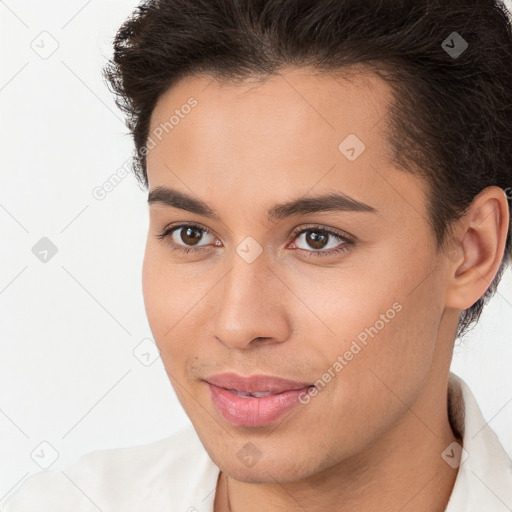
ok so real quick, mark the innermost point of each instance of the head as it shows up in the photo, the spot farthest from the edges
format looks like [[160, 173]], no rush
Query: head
[[329, 188]]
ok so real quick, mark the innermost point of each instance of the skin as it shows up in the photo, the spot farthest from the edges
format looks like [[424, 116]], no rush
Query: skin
[[372, 438]]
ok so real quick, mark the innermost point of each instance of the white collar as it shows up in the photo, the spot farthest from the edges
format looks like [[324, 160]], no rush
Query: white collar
[[484, 479]]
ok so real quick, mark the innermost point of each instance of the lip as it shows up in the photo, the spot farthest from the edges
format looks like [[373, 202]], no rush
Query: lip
[[254, 411]]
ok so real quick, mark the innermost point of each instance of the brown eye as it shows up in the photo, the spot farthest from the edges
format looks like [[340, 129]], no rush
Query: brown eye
[[187, 238], [190, 235], [318, 241]]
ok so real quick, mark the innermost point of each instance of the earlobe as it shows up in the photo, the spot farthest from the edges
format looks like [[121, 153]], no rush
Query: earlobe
[[481, 237]]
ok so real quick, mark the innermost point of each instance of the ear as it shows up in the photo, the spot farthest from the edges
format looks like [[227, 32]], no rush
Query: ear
[[477, 248]]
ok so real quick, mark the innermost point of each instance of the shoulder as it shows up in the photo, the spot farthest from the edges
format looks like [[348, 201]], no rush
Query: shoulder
[[484, 478], [154, 476]]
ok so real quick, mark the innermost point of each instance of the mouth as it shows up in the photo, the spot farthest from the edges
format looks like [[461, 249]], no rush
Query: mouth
[[255, 394], [255, 384], [254, 401]]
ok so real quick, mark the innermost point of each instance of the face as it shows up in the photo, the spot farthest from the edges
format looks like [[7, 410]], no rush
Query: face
[[343, 297]]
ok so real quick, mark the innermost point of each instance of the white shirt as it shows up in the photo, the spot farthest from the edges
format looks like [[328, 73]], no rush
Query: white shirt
[[176, 474]]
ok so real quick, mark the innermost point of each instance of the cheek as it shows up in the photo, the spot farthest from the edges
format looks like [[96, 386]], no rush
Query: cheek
[[381, 353], [173, 298], [387, 333], [350, 301], [164, 288], [152, 281], [383, 313], [163, 296]]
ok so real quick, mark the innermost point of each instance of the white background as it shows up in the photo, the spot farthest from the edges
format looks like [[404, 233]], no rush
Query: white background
[[68, 374]]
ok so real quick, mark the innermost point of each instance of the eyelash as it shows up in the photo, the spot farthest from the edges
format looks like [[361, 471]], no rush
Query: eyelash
[[348, 242]]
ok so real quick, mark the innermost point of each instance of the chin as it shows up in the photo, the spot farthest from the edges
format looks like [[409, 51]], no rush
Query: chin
[[265, 474], [280, 467]]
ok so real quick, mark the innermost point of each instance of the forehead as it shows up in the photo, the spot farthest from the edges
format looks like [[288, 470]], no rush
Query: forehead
[[277, 138], [298, 103]]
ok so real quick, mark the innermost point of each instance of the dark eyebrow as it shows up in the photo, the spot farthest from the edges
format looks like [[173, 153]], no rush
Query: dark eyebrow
[[324, 203]]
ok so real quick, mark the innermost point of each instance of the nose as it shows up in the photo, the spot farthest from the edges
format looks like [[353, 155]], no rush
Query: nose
[[251, 306]]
